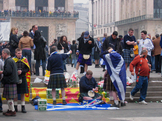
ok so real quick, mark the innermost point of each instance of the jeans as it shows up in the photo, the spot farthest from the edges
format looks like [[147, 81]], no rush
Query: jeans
[[74, 60], [158, 63], [65, 65], [27, 54], [0, 103], [153, 63], [161, 66], [37, 65], [141, 85]]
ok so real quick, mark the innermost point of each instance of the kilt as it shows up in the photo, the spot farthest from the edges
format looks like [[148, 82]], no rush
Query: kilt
[[10, 91], [96, 55], [57, 81], [126, 56], [108, 83], [23, 87], [83, 61]]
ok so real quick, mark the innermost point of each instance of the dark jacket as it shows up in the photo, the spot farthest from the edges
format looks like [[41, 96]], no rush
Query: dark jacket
[[40, 43], [74, 48], [31, 35], [86, 84], [85, 48], [110, 42], [65, 45], [12, 48], [55, 63], [10, 75]]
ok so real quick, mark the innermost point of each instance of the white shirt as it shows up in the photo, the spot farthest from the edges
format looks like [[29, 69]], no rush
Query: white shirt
[[147, 43]]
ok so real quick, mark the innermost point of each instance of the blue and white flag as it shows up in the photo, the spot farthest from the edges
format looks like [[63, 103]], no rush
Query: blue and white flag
[[116, 69]]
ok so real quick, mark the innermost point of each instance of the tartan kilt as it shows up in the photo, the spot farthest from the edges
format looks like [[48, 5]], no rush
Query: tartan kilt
[[57, 81], [126, 56], [108, 83], [23, 87], [10, 91]]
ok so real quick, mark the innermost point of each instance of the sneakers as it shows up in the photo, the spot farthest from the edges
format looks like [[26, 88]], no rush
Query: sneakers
[[131, 97], [115, 105], [64, 102], [54, 102], [143, 102]]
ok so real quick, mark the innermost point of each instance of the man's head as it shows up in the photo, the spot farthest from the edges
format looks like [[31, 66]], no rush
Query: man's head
[[98, 39], [89, 74], [114, 34], [5, 53], [105, 34], [86, 35], [53, 49], [157, 35], [34, 28], [18, 53], [143, 34], [144, 52], [131, 32]]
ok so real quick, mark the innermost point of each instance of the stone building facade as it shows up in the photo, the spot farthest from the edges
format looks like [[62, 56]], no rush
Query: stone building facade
[[56, 26], [120, 15]]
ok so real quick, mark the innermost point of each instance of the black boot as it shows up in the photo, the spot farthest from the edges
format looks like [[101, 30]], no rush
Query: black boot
[[15, 106], [23, 109]]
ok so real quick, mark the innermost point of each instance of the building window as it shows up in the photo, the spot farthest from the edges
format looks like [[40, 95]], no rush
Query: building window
[[21, 5], [107, 30], [157, 8], [41, 5], [60, 5]]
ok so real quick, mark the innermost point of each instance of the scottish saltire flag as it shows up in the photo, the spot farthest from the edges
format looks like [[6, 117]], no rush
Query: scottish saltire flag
[[116, 69]]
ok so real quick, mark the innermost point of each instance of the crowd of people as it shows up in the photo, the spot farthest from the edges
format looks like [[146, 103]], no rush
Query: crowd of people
[[24, 54], [39, 13]]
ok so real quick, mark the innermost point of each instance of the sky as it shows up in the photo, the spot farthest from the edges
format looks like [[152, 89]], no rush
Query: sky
[[81, 1]]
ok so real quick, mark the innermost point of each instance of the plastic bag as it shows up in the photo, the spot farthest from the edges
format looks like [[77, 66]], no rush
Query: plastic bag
[[129, 81], [37, 80]]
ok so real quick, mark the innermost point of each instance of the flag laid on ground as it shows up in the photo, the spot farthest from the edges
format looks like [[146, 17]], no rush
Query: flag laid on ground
[[116, 69], [90, 105]]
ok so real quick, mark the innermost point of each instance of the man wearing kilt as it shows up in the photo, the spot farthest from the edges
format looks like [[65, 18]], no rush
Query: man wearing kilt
[[56, 67], [129, 42], [10, 80], [22, 88]]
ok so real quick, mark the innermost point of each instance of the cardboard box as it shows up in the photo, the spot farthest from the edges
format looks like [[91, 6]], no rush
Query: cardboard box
[[42, 102], [42, 107]]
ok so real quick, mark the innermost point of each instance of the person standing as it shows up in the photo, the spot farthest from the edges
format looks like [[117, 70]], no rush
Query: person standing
[[86, 43], [97, 50], [23, 67], [56, 68], [9, 80], [157, 52], [63, 45], [146, 43], [129, 43], [39, 53], [73, 55], [141, 65], [25, 44], [1, 76], [161, 53], [32, 33], [13, 40]]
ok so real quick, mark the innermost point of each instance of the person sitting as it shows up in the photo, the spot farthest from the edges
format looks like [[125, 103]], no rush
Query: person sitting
[[88, 83]]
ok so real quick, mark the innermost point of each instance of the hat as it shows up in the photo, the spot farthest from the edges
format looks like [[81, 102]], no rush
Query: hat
[[86, 34]]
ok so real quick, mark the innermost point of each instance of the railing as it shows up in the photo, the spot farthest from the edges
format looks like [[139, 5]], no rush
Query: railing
[[134, 19], [39, 14]]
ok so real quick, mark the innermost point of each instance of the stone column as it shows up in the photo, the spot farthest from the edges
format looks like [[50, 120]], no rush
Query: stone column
[[32, 5], [51, 5], [12, 5], [150, 7], [69, 5], [5, 4]]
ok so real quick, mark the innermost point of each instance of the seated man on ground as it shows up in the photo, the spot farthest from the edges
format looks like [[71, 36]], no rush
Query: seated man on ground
[[88, 83]]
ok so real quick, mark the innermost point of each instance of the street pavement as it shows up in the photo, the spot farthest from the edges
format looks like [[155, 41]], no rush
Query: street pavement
[[131, 112]]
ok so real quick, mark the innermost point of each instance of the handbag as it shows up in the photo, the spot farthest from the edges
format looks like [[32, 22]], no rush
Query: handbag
[[13, 43], [132, 54], [60, 51], [86, 57]]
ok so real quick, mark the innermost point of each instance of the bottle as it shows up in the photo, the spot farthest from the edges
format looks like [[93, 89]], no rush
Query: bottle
[[71, 83], [74, 83], [31, 85], [100, 77]]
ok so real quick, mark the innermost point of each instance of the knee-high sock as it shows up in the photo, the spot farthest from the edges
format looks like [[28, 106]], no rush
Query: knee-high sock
[[11, 105]]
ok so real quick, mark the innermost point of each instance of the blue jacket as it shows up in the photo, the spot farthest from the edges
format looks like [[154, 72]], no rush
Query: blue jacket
[[55, 63]]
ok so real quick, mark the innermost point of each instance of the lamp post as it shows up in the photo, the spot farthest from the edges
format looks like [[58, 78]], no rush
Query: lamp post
[[92, 19]]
